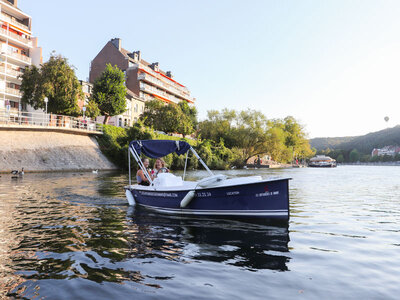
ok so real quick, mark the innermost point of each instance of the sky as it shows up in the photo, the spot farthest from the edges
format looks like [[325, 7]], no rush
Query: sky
[[334, 65]]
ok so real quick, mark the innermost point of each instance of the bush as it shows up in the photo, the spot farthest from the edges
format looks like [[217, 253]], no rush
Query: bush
[[115, 141]]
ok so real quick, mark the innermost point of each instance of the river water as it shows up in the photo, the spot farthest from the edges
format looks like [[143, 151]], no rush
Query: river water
[[73, 236]]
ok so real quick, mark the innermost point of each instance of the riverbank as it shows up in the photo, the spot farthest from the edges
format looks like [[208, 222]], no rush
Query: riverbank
[[379, 163], [43, 151]]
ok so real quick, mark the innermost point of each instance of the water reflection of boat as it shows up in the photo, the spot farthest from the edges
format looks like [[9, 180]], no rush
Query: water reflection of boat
[[322, 161], [215, 195], [254, 246]]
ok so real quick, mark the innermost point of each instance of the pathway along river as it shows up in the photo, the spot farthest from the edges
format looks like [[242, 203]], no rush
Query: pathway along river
[[72, 236]]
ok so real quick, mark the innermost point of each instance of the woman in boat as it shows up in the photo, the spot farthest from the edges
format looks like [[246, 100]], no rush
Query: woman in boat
[[140, 177], [159, 167]]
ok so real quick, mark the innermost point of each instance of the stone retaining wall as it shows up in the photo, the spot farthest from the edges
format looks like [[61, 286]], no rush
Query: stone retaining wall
[[38, 151]]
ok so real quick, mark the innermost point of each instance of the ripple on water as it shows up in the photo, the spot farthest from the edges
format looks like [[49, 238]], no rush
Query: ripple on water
[[72, 236]]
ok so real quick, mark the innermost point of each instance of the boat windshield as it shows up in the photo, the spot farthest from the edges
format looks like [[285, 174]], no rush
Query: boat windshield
[[159, 148]]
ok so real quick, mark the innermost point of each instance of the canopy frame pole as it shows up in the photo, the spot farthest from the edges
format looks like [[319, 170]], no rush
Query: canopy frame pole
[[184, 171], [129, 160], [201, 161], [139, 161]]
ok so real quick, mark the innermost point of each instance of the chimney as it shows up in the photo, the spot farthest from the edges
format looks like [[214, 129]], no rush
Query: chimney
[[169, 74], [137, 56], [117, 43], [154, 66], [13, 2]]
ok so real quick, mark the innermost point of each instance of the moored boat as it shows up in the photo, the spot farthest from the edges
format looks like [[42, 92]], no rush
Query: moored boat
[[215, 195], [322, 161]]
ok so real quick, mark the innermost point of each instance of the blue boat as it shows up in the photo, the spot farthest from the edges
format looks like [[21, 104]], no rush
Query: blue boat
[[215, 195]]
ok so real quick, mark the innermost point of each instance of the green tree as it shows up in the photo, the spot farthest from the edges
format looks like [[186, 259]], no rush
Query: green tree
[[296, 139], [189, 111], [250, 133], [253, 134], [92, 110], [365, 158], [275, 145], [340, 158], [152, 115], [216, 129], [169, 118], [374, 158], [32, 88], [244, 130], [57, 81], [354, 155], [109, 92], [387, 158]]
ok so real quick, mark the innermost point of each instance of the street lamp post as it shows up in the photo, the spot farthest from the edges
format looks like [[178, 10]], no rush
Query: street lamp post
[[47, 119], [83, 120], [45, 101]]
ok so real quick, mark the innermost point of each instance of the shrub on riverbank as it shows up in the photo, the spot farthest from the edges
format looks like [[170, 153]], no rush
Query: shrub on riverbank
[[115, 140], [228, 138]]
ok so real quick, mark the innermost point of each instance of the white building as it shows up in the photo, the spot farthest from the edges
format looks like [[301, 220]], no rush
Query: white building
[[18, 50], [387, 150]]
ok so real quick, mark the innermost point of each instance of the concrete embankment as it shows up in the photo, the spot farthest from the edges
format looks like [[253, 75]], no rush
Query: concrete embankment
[[39, 151]]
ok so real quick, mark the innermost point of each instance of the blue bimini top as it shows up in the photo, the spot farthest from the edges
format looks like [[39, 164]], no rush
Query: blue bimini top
[[159, 148]]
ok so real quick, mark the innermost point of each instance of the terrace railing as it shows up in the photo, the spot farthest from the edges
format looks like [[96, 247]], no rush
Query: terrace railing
[[13, 117]]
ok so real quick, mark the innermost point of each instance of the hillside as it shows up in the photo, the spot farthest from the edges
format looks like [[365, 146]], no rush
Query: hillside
[[364, 143], [331, 143]]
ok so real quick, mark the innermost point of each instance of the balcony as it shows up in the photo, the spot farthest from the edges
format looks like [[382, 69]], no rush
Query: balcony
[[11, 93], [10, 72], [15, 38], [12, 10], [146, 97], [152, 90], [165, 80], [17, 57], [170, 88], [13, 21]]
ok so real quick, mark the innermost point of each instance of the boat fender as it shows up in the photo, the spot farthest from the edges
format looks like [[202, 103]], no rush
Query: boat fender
[[130, 198], [208, 181], [189, 197]]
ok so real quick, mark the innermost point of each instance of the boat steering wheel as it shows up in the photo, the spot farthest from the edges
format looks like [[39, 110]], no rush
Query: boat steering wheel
[[162, 170]]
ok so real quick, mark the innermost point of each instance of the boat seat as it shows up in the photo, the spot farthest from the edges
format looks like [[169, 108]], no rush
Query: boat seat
[[168, 179]]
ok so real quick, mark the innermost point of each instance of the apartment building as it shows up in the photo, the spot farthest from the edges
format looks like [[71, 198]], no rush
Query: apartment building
[[18, 49], [144, 81]]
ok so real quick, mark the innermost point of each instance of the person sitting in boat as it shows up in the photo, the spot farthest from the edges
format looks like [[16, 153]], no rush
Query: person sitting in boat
[[140, 177], [159, 167]]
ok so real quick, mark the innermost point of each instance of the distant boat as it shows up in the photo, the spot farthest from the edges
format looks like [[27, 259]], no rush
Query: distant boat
[[322, 161]]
